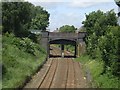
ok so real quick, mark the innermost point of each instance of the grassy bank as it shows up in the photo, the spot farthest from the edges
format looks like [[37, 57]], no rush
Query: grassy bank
[[70, 48], [20, 60], [98, 78]]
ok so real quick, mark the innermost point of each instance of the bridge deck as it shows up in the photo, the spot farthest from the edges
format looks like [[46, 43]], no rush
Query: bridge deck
[[59, 73]]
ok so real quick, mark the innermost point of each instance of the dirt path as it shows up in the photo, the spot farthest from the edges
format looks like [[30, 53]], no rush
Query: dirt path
[[59, 73]]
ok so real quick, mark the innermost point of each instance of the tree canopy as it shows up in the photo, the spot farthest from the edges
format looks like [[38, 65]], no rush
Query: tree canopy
[[40, 21], [102, 39], [19, 17], [117, 2], [67, 28]]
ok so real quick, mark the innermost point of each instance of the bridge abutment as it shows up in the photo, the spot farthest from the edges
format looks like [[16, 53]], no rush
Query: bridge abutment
[[75, 53], [81, 48], [44, 41]]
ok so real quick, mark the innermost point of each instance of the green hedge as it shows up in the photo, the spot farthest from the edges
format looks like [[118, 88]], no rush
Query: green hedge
[[103, 39]]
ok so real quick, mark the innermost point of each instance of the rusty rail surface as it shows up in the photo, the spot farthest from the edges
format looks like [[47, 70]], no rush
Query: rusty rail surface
[[59, 73]]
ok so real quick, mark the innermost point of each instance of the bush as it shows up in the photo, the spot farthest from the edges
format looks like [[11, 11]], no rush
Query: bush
[[98, 78], [24, 44], [20, 59], [103, 39]]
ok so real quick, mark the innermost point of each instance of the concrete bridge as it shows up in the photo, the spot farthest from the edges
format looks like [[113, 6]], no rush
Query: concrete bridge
[[75, 39]]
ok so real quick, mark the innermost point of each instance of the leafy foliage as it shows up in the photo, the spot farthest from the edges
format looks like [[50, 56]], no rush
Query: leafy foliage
[[67, 28], [16, 17], [19, 17], [20, 59], [24, 44], [40, 21], [94, 69], [102, 39]]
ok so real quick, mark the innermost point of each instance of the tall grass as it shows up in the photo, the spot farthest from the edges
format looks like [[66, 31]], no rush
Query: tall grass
[[18, 62], [96, 69]]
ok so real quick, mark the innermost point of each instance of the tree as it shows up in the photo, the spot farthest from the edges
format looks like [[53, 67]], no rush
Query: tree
[[101, 20], [103, 38], [16, 17], [19, 17], [96, 25], [41, 19], [67, 28], [117, 2]]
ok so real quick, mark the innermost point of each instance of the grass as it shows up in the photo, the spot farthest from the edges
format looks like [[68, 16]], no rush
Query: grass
[[99, 79], [70, 48], [18, 64]]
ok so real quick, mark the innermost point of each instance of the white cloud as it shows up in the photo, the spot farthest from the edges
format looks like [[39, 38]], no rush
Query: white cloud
[[82, 4], [87, 3], [46, 0], [69, 0], [70, 12], [69, 18], [70, 3], [50, 5], [92, 0]]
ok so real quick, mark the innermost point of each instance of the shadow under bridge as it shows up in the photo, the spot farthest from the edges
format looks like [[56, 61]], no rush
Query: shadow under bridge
[[62, 43]]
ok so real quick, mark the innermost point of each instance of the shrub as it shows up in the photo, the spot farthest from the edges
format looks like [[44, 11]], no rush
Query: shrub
[[103, 39], [98, 79], [20, 59]]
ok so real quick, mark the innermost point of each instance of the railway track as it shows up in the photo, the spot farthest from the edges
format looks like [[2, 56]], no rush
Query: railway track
[[58, 73]]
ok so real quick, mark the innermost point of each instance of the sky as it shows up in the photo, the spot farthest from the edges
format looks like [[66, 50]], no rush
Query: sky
[[72, 12]]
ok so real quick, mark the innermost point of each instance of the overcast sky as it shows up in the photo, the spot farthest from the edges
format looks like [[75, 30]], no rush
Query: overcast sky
[[72, 12]]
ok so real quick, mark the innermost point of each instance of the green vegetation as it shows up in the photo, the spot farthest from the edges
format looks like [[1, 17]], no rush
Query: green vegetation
[[103, 39], [102, 56], [40, 21], [21, 58], [117, 2], [96, 69], [19, 17], [70, 48], [67, 28], [21, 53]]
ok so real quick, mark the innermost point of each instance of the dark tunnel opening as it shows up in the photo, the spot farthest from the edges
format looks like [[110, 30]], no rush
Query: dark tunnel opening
[[63, 48]]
